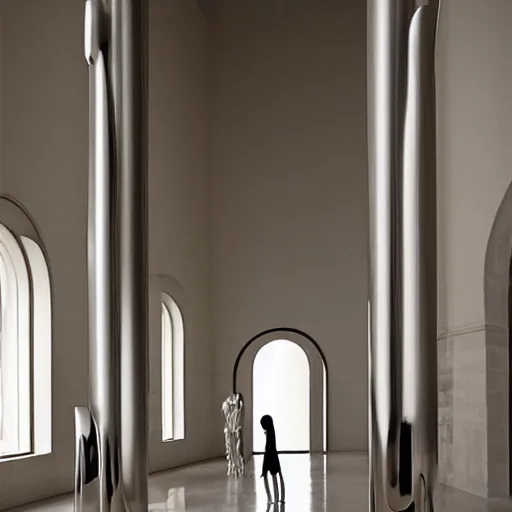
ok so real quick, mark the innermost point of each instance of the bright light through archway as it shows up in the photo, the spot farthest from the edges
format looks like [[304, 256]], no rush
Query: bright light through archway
[[281, 379]]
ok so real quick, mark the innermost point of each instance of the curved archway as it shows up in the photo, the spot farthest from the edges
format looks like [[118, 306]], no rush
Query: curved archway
[[286, 330], [281, 388], [173, 341], [498, 341], [26, 332], [171, 326], [319, 389]]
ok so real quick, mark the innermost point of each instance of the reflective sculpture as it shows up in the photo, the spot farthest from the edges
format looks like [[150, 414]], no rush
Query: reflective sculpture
[[403, 276], [233, 410], [86, 457], [271, 462], [112, 434]]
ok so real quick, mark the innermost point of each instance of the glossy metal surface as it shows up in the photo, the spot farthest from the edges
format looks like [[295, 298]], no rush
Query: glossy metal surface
[[402, 181], [86, 461], [116, 51], [233, 410], [129, 84]]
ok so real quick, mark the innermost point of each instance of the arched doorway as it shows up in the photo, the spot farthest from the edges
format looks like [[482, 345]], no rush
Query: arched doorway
[[318, 384], [281, 388]]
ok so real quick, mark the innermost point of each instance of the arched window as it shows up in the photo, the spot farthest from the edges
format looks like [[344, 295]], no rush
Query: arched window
[[15, 413], [281, 388], [173, 400], [25, 337]]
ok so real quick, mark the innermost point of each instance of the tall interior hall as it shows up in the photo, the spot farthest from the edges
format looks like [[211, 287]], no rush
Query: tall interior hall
[[258, 252]]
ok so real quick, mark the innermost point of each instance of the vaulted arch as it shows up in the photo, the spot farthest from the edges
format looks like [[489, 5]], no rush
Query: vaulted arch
[[243, 382]]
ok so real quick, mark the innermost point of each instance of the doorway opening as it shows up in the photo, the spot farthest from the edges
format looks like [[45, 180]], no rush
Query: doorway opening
[[281, 388]]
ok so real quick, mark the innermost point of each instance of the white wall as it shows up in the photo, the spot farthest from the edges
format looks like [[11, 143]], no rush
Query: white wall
[[44, 152], [289, 193]]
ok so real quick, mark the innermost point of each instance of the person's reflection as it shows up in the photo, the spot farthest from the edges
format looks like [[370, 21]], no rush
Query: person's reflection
[[176, 499], [234, 491], [275, 507]]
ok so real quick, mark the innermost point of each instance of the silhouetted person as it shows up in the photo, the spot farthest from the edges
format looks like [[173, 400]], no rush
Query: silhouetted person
[[271, 461]]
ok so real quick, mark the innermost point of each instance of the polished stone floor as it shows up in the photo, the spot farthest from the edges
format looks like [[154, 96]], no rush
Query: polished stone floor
[[336, 483]]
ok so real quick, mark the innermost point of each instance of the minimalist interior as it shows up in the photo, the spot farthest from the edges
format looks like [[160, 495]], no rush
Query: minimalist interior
[[259, 266]]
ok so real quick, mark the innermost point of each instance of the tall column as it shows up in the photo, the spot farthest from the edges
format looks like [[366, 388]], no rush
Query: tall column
[[112, 434], [403, 276], [129, 79]]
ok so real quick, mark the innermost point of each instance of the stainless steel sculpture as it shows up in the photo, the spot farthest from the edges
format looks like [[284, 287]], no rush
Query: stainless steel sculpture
[[112, 434], [402, 182], [86, 457], [233, 409]]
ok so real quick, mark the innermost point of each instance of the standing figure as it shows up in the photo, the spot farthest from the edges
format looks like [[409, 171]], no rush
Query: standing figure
[[232, 408], [271, 462]]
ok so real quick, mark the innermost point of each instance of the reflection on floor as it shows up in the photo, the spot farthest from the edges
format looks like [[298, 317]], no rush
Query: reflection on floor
[[334, 483]]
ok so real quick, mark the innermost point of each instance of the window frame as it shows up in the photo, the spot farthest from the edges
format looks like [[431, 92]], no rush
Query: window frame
[[172, 343], [34, 319], [167, 340], [17, 348]]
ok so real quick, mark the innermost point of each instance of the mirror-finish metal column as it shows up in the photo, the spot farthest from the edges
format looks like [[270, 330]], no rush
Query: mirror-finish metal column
[[403, 275], [112, 434], [130, 98]]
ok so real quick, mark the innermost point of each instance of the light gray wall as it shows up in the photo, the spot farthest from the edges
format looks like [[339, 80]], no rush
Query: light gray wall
[[289, 200], [474, 171], [475, 154], [44, 132], [179, 108]]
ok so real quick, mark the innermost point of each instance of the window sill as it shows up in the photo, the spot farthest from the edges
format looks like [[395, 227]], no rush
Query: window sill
[[17, 458], [174, 440]]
